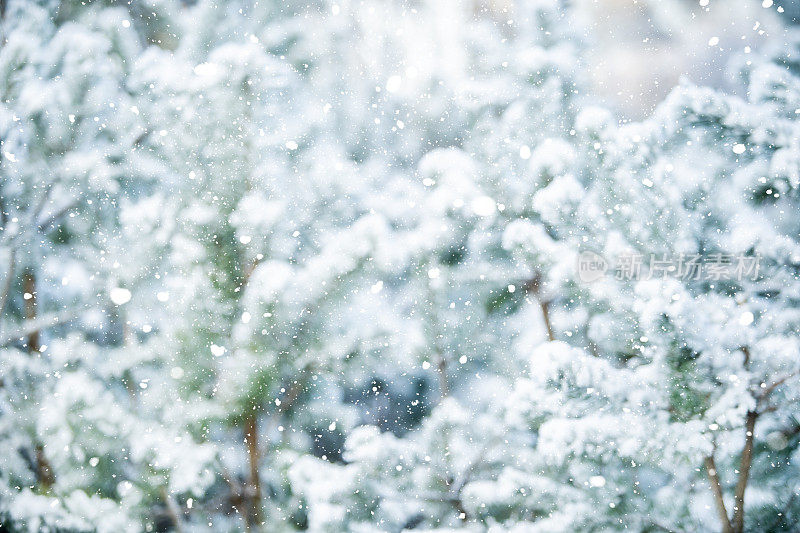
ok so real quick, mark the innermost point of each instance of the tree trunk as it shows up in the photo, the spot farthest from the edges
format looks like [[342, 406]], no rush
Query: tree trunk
[[441, 370], [12, 263], [44, 472], [254, 489], [744, 472], [29, 287], [546, 317], [533, 287], [716, 488], [173, 510]]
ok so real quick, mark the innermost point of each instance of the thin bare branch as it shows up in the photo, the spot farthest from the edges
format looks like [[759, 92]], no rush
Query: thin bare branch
[[775, 384], [53, 217]]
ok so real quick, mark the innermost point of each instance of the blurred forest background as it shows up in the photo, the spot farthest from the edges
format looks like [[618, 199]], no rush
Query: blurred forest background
[[313, 265]]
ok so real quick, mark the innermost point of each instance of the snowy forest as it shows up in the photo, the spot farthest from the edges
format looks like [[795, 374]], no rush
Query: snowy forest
[[500, 266]]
